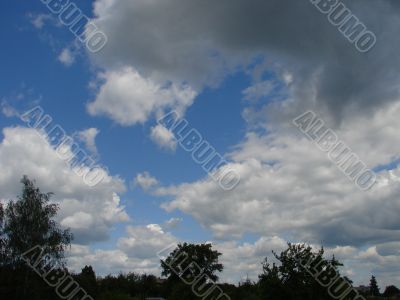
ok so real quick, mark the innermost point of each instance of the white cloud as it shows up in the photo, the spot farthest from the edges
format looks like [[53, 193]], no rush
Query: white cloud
[[244, 259], [66, 57], [88, 136], [79, 220], [144, 242], [214, 40], [137, 252], [90, 211], [163, 137], [173, 223], [129, 98], [8, 110], [259, 90], [289, 188], [38, 21], [104, 262], [145, 181]]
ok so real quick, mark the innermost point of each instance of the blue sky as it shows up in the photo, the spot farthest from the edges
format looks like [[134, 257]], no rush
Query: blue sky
[[238, 76], [36, 76], [126, 151]]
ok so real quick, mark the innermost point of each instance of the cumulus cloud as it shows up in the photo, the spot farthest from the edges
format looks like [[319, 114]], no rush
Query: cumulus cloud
[[145, 181], [283, 174], [66, 57], [163, 137], [39, 20], [104, 262], [259, 90], [215, 39], [91, 212], [172, 223], [288, 188], [134, 252], [88, 136], [8, 110], [144, 242], [129, 98], [137, 252]]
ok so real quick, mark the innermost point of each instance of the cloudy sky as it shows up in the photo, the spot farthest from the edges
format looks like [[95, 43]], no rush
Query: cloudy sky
[[238, 71]]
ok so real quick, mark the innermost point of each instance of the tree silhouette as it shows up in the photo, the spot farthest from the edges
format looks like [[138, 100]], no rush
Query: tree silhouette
[[373, 287], [297, 273], [87, 280], [3, 248], [289, 279], [187, 264], [186, 254], [27, 224], [391, 291]]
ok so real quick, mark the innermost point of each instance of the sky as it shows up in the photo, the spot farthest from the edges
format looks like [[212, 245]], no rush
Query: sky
[[238, 72]]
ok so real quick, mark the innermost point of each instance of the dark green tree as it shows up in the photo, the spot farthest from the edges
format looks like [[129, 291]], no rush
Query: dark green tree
[[186, 254], [3, 248], [373, 287], [189, 263], [87, 280], [246, 290], [290, 280], [391, 291], [148, 286], [181, 291], [29, 222]]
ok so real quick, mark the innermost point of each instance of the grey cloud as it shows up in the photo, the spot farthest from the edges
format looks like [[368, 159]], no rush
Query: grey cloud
[[387, 249], [90, 212], [200, 42], [302, 195]]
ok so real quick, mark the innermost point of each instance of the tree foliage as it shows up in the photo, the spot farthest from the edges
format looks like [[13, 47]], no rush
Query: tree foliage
[[25, 224], [190, 261], [373, 287], [185, 254], [391, 291], [3, 245], [87, 280], [287, 278], [29, 222]]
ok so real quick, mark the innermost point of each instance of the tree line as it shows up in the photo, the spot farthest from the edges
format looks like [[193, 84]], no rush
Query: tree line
[[33, 266]]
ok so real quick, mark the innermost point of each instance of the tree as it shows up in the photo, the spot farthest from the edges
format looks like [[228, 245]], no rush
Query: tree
[[26, 225], [246, 290], [29, 223], [87, 280], [391, 291], [3, 248], [189, 263], [186, 254], [373, 287], [290, 280]]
